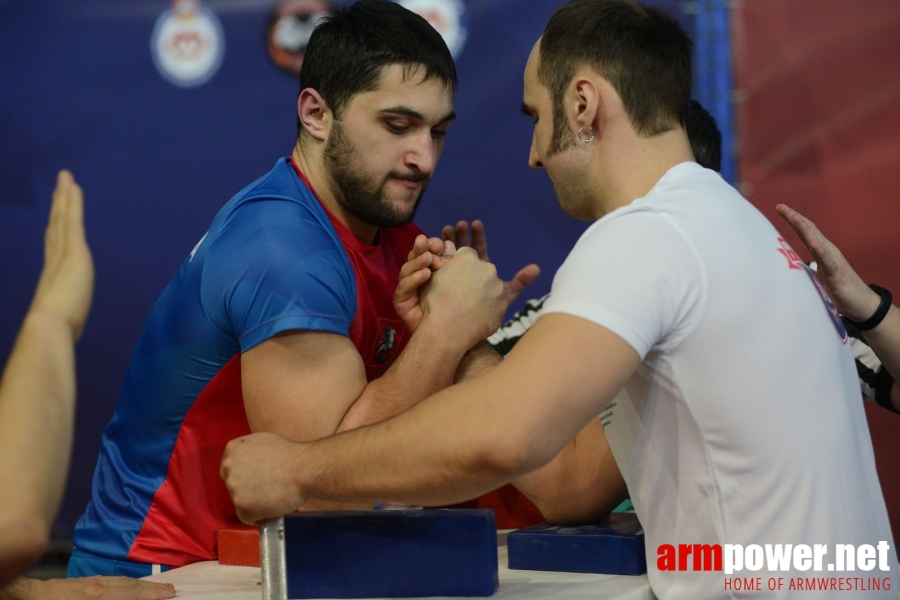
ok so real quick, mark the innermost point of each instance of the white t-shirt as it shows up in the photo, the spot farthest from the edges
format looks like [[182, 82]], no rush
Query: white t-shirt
[[743, 424]]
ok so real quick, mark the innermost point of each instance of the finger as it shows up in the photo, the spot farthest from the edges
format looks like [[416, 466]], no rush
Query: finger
[[805, 228], [417, 263], [825, 260], [521, 280], [792, 217], [56, 223], [785, 211], [447, 252], [479, 241], [409, 285], [246, 517], [462, 234], [814, 241], [448, 232], [817, 244], [419, 246], [75, 215], [435, 245], [154, 591]]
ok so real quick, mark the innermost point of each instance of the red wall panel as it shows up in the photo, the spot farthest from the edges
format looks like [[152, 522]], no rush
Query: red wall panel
[[818, 123]]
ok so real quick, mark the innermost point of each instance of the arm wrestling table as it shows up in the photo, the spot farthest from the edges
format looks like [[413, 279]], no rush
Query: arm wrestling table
[[212, 581]]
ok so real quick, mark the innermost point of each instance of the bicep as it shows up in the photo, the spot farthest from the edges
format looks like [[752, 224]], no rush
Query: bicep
[[300, 384], [557, 378]]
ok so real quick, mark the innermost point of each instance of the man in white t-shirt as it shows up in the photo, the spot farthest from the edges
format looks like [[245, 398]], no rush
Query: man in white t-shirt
[[726, 384]]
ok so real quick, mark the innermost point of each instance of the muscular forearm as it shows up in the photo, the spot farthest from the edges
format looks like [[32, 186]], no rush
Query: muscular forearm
[[425, 366], [461, 442], [581, 485], [456, 445], [20, 588], [463, 461], [37, 403], [479, 359]]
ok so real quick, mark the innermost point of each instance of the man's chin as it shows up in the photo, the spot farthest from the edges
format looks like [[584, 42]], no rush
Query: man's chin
[[405, 205], [573, 205]]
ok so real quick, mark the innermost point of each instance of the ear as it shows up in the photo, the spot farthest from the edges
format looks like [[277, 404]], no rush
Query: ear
[[588, 104], [314, 113]]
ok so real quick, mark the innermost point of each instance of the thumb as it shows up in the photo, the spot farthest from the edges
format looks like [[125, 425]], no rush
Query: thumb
[[521, 280]]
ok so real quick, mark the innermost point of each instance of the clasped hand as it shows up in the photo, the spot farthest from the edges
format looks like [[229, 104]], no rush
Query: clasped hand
[[453, 289], [466, 296]]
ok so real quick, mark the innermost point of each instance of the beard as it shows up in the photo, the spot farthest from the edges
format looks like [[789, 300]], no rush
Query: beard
[[562, 138], [357, 189], [569, 182]]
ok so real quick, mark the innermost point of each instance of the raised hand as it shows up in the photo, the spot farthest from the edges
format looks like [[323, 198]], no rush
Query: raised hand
[[460, 236], [67, 279], [259, 471], [850, 293]]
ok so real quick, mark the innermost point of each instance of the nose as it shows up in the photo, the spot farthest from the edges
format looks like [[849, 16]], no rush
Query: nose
[[424, 154], [534, 160]]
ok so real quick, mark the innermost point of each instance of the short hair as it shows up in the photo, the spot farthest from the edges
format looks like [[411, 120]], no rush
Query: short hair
[[642, 52], [348, 50], [705, 138]]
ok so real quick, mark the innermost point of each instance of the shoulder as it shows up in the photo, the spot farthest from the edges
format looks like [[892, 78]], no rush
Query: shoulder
[[629, 234], [276, 218], [273, 235]]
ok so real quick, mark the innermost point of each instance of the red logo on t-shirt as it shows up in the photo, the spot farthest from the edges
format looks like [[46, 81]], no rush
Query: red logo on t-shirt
[[795, 262]]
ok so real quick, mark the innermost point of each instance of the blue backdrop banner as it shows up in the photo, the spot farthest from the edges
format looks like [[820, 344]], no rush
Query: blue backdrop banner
[[163, 110]]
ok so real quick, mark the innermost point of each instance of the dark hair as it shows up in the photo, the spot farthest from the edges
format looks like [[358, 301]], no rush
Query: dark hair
[[348, 50], [706, 140], [642, 52]]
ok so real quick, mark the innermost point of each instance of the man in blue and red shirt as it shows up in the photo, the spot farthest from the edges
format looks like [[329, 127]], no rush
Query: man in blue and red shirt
[[283, 317]]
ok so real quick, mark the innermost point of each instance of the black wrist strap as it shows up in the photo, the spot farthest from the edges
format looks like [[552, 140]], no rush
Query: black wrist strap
[[883, 307]]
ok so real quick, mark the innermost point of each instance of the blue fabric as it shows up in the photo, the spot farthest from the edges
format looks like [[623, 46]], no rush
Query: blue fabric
[[83, 564], [223, 301]]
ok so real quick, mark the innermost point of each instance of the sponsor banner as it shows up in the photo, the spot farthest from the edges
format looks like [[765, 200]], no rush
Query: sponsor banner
[[290, 25], [850, 568], [187, 44]]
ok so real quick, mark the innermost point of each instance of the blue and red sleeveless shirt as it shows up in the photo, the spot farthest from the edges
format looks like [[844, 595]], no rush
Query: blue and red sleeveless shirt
[[273, 260]]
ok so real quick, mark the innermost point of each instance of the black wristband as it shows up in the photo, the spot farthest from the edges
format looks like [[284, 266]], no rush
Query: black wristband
[[883, 307]]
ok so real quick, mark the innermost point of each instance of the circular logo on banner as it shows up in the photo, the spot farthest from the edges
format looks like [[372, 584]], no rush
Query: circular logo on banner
[[187, 44], [448, 17], [290, 26]]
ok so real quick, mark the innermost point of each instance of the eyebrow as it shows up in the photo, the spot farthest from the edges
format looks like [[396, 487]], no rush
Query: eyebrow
[[413, 114]]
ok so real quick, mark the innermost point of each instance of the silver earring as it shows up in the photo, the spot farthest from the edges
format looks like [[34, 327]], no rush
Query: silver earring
[[590, 139]]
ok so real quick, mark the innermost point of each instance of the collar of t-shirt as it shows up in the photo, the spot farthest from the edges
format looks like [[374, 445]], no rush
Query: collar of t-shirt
[[346, 236]]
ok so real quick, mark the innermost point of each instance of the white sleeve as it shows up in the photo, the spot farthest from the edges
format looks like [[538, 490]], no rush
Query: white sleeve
[[636, 274]]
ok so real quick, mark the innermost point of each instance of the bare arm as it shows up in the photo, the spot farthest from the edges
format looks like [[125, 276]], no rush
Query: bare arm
[[37, 392], [581, 485], [468, 439], [86, 588], [309, 385], [851, 295]]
